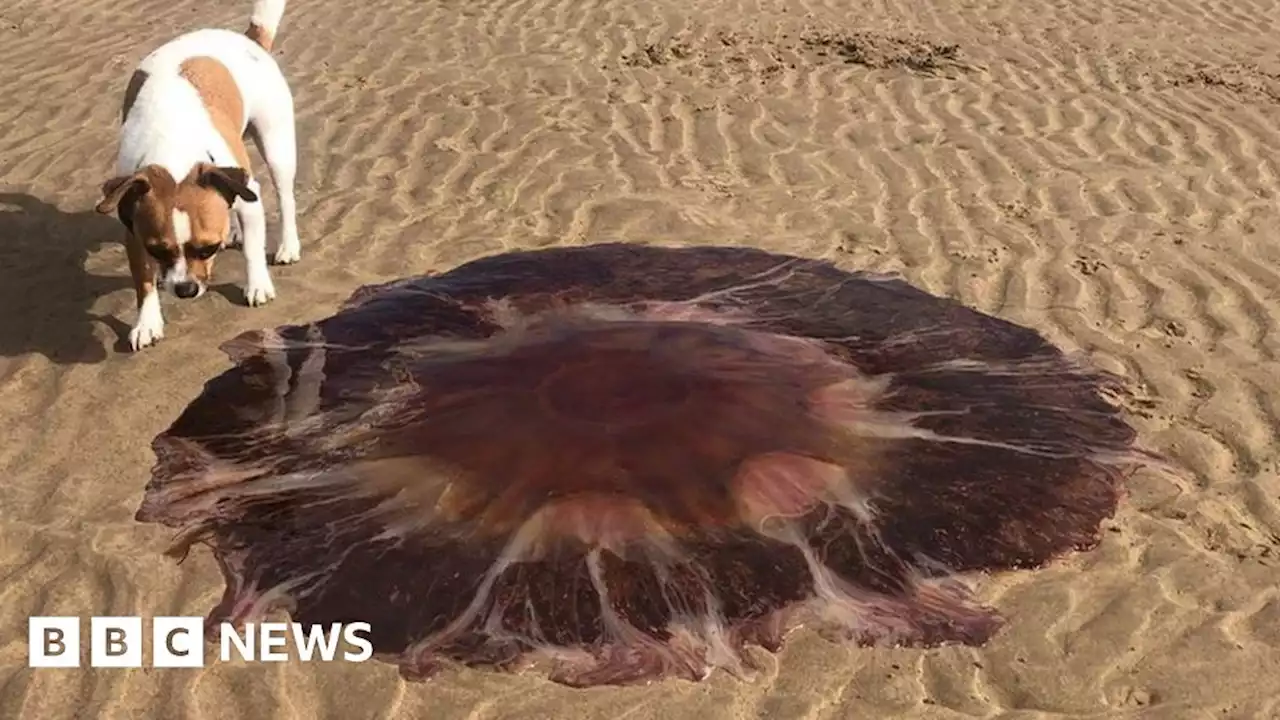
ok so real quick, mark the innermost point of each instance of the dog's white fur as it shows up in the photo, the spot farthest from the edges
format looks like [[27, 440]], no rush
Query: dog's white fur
[[266, 15], [169, 125]]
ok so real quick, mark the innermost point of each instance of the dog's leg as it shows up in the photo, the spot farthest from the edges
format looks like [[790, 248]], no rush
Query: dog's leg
[[149, 326], [258, 289], [276, 139], [235, 238]]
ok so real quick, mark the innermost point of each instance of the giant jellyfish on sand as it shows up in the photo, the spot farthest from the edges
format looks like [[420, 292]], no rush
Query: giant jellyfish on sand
[[624, 462]]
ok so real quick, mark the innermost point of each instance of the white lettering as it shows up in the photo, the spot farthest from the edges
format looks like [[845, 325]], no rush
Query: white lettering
[[243, 646], [350, 634], [316, 636], [273, 635]]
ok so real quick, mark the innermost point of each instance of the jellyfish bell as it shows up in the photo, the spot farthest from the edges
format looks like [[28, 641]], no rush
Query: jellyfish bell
[[634, 462]]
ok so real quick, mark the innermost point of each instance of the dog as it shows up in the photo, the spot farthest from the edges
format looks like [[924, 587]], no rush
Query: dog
[[183, 188]]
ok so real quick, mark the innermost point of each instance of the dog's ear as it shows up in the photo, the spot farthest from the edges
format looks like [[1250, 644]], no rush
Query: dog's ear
[[230, 182], [114, 190]]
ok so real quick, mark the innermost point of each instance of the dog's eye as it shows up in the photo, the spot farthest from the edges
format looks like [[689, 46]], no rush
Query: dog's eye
[[203, 252], [163, 253]]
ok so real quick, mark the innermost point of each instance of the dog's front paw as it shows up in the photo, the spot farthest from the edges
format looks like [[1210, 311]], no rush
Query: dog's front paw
[[259, 291], [148, 330], [289, 253]]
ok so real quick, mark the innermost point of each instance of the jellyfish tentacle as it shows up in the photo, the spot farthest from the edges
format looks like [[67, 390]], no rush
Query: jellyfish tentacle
[[627, 655]]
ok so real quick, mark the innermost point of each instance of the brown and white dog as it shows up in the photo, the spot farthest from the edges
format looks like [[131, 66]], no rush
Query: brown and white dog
[[183, 169]]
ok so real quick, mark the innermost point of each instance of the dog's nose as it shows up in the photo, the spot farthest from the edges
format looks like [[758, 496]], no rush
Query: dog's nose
[[186, 290]]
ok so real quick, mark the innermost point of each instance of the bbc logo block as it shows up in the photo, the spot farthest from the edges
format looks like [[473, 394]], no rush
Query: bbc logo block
[[115, 642], [177, 642], [54, 642]]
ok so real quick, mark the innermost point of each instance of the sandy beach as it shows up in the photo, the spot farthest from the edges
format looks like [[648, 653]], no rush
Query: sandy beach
[[1103, 172]]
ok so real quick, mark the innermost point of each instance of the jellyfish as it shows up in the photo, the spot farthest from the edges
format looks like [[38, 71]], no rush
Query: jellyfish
[[622, 463]]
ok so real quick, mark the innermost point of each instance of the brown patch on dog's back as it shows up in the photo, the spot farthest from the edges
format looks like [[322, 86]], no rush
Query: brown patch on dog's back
[[260, 35], [221, 98], [136, 81]]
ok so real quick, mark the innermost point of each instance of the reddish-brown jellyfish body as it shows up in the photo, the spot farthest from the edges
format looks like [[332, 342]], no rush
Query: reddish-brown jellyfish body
[[634, 461]]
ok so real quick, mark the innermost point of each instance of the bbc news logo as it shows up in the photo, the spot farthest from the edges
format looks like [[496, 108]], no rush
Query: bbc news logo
[[179, 642]]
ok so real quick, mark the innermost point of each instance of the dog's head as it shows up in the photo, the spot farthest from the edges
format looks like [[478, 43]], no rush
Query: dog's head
[[182, 224]]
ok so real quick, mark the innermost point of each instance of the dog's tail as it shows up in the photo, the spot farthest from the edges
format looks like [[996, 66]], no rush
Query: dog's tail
[[265, 22]]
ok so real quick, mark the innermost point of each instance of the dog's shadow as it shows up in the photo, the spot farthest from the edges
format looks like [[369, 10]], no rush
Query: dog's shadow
[[46, 295]]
